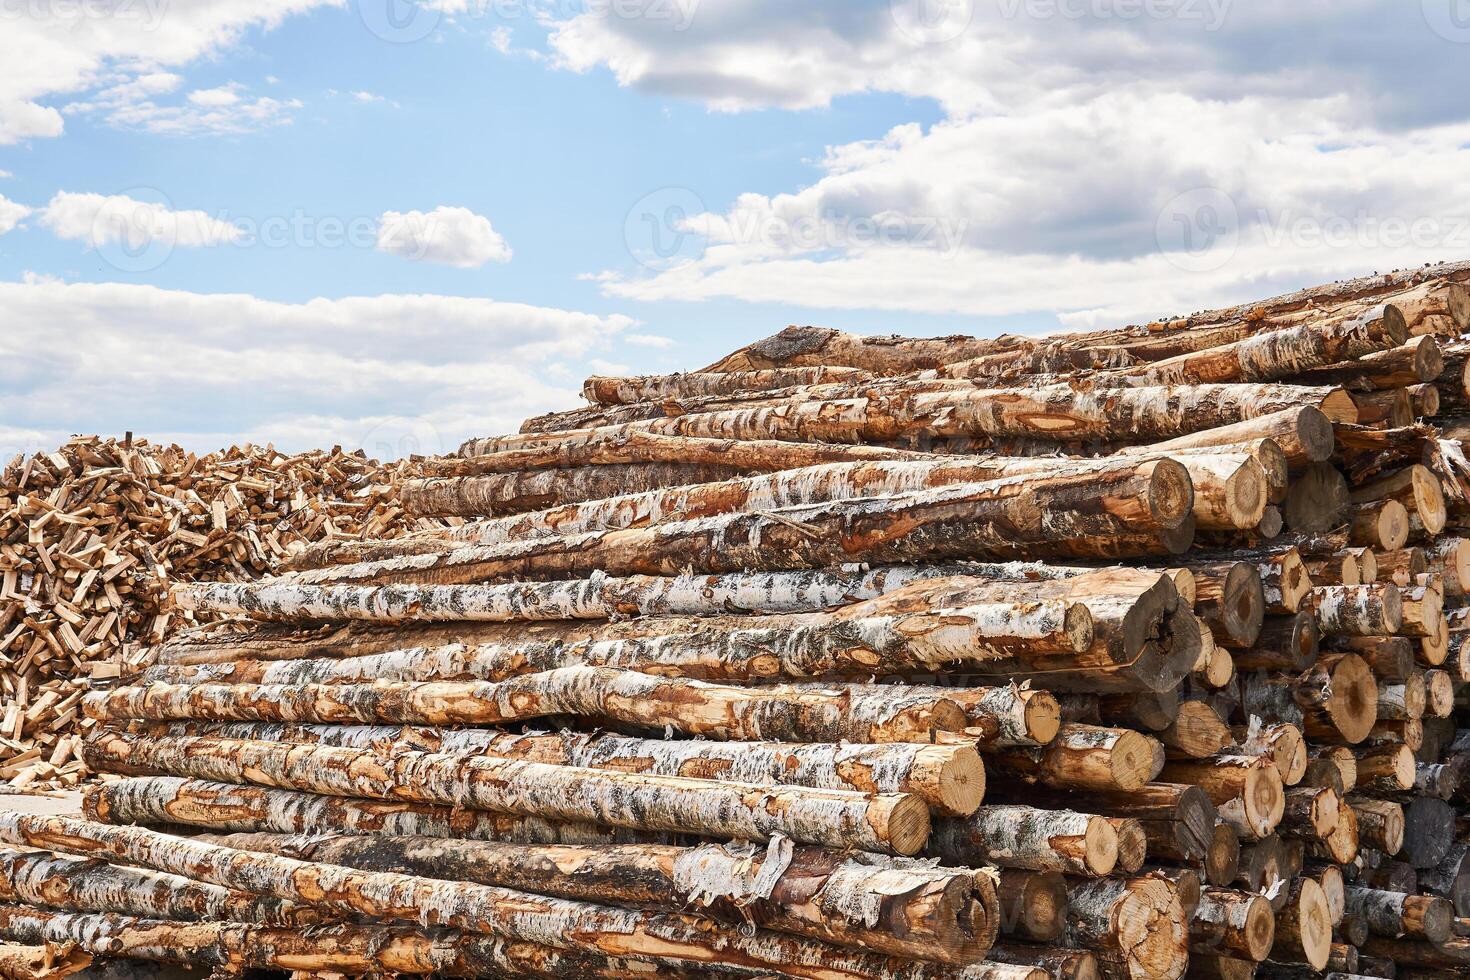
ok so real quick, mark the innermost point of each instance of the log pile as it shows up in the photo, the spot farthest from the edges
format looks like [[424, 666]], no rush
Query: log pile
[[92, 537], [1134, 654]]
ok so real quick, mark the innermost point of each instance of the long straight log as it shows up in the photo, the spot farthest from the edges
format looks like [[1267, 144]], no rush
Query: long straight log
[[504, 912], [1230, 492], [44, 878], [894, 409], [1029, 839], [798, 346], [1084, 757], [227, 807], [949, 777], [1303, 433], [511, 493], [791, 714], [232, 948], [893, 823], [677, 387], [903, 908], [1026, 517], [1276, 354], [599, 597], [1178, 820]]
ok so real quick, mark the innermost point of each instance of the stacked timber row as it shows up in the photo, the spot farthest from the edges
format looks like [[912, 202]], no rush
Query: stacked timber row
[[1132, 654]]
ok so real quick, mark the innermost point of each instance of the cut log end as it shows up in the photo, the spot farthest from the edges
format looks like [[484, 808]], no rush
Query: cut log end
[[907, 825], [1042, 717], [960, 778], [1353, 705], [1171, 492], [1314, 434]]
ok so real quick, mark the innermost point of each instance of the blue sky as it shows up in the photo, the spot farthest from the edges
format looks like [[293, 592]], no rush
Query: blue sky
[[270, 221]]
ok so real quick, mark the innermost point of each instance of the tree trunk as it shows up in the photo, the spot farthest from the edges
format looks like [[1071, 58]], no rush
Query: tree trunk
[[1030, 839], [1230, 600], [1056, 962], [1223, 493], [1246, 789], [1381, 524], [859, 713], [1032, 904], [43, 878], [896, 823], [1338, 698], [1285, 643], [1303, 434], [678, 387], [1358, 610], [1277, 354], [1415, 362], [503, 912], [948, 777], [893, 409], [1317, 499], [894, 907], [1082, 757], [511, 493], [1233, 923], [1304, 926], [823, 347], [1135, 927], [232, 948], [1394, 914], [1029, 517], [254, 809], [1311, 813], [1380, 823], [597, 598], [1197, 733], [1417, 488]]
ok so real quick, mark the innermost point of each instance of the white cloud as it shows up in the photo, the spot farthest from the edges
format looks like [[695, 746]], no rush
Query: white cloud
[[101, 220], [224, 109], [60, 49], [649, 340], [211, 369], [11, 214], [448, 235], [367, 97], [1096, 165]]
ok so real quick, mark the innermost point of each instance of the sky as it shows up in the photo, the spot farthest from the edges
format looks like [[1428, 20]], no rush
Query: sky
[[399, 224]]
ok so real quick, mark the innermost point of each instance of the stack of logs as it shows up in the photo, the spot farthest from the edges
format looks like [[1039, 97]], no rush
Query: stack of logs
[[93, 535], [1132, 654]]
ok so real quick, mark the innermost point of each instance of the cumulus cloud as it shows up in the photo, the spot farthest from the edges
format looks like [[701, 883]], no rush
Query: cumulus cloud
[[101, 220], [447, 235], [1096, 159], [60, 49], [11, 214], [412, 373]]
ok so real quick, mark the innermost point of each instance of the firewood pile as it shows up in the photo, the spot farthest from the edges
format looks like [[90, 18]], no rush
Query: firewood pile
[[1126, 654], [93, 535]]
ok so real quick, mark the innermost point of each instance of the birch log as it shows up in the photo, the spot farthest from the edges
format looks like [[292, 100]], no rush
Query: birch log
[[666, 387], [1084, 757], [232, 948], [503, 912], [781, 713], [895, 907], [1247, 790], [511, 493], [894, 823], [227, 807], [45, 962], [1030, 839], [1394, 914], [948, 777], [1304, 926], [44, 878], [1135, 927], [1026, 517], [1233, 923]]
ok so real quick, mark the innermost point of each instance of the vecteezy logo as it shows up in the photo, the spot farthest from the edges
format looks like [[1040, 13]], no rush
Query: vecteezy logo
[[659, 229], [398, 21], [932, 21], [1450, 19], [135, 230], [1199, 230]]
